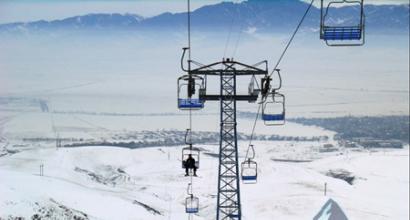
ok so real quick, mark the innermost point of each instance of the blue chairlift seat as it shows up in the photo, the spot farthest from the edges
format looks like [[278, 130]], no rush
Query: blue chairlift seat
[[342, 33], [273, 117], [249, 178], [191, 210], [249, 172], [192, 205], [190, 104]]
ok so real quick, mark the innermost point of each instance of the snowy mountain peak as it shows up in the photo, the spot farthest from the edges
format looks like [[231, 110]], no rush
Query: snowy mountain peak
[[265, 16]]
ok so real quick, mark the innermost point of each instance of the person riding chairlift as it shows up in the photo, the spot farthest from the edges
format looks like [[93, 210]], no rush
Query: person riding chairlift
[[190, 164]]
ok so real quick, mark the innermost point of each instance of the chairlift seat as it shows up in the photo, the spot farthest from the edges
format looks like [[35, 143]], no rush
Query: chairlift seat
[[273, 117], [190, 104], [191, 210], [248, 178], [342, 33]]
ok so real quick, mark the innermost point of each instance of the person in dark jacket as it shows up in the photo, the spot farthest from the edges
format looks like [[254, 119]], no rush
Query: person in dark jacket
[[190, 164]]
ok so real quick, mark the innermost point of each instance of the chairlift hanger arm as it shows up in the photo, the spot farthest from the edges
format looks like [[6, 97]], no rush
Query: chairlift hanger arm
[[188, 134], [182, 59], [280, 81], [293, 36], [251, 150], [189, 189]]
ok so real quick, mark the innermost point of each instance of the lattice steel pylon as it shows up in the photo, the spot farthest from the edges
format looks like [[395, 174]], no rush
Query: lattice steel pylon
[[229, 202]]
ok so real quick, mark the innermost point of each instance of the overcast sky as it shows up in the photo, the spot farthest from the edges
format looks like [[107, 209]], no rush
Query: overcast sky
[[29, 10]]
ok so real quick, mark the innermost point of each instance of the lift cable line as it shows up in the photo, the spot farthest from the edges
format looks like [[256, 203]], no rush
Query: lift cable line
[[277, 64], [279, 61], [191, 202], [253, 129], [293, 36], [238, 40], [230, 36], [189, 63], [189, 31], [228, 39]]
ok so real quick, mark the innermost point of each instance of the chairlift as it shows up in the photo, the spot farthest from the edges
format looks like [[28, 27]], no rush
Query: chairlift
[[194, 152], [249, 171], [273, 110], [191, 202], [189, 89], [253, 90], [341, 35]]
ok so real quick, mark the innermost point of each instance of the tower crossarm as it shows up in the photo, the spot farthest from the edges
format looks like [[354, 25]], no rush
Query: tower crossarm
[[231, 67]]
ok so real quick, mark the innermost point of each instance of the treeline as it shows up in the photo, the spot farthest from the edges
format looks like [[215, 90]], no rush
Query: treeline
[[175, 137], [349, 127]]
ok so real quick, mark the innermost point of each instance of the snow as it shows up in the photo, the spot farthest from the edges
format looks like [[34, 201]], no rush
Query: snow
[[117, 183], [284, 190]]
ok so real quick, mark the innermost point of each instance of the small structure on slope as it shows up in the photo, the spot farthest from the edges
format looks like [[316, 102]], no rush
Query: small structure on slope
[[331, 211]]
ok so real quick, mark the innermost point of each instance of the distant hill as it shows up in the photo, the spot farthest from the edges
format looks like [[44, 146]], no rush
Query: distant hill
[[262, 16]]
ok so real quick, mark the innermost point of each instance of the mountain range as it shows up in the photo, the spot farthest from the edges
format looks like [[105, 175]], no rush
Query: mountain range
[[260, 15]]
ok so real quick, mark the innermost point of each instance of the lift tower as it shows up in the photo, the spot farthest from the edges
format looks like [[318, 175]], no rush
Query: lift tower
[[229, 203]]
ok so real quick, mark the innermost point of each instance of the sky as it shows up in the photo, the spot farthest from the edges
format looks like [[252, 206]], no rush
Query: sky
[[30, 10]]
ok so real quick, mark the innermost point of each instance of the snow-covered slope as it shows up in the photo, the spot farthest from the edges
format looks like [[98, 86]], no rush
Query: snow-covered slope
[[116, 183]]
